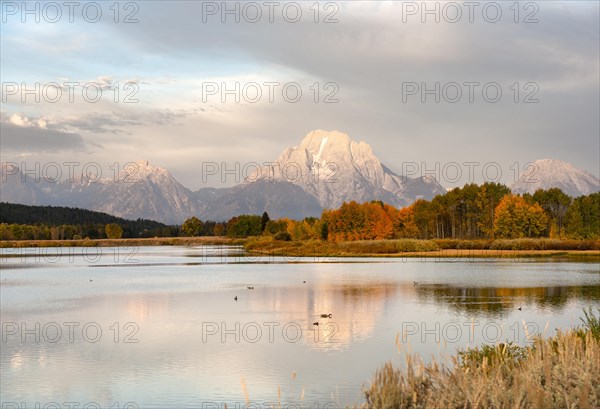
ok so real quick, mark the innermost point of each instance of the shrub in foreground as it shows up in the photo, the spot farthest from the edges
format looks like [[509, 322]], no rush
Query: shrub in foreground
[[559, 372], [283, 236]]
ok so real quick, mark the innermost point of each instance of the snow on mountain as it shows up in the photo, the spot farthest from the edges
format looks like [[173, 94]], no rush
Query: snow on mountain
[[550, 173], [326, 169], [333, 168], [140, 191], [15, 187]]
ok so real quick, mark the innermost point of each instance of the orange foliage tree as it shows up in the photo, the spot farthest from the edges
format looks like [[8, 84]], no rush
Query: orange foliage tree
[[404, 223], [353, 221]]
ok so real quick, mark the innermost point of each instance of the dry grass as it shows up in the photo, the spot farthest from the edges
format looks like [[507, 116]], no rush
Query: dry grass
[[559, 372], [545, 244], [519, 244], [267, 245], [153, 241], [442, 249], [395, 248]]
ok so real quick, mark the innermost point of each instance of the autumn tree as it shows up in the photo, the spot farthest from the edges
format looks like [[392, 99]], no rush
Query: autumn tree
[[191, 227], [515, 218], [489, 196], [346, 222], [378, 224], [353, 221], [219, 229], [275, 226], [305, 229], [404, 223], [555, 203], [113, 231], [463, 211], [423, 218], [244, 226]]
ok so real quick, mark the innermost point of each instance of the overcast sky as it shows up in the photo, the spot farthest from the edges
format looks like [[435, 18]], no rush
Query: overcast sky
[[367, 57]]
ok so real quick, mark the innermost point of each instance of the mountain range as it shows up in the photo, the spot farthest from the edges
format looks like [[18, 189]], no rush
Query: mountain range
[[546, 173], [326, 169]]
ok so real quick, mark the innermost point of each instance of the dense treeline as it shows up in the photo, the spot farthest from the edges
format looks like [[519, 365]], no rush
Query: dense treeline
[[491, 211], [488, 211], [21, 222], [57, 215]]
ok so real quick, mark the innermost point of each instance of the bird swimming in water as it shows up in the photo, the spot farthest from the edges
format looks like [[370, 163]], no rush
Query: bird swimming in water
[[304, 282], [316, 323], [325, 315], [250, 288], [235, 298], [519, 309]]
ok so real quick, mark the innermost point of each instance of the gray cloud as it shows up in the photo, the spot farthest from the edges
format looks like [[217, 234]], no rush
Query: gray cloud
[[369, 53], [35, 139], [116, 122]]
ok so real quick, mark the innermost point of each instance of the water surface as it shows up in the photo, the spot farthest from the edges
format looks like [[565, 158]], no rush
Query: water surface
[[159, 326]]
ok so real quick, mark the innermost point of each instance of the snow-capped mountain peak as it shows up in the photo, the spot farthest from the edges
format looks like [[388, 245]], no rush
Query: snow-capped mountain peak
[[326, 169], [333, 168], [324, 146], [551, 173], [143, 170]]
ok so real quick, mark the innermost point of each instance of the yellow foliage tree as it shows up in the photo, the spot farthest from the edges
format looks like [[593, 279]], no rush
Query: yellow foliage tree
[[515, 218], [113, 231]]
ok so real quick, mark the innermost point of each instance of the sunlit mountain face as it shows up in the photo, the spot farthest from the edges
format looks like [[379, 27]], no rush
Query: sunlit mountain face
[[327, 169]]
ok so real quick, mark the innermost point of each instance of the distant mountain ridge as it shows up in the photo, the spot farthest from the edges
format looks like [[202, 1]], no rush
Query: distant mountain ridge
[[554, 173], [335, 169], [326, 169], [142, 191]]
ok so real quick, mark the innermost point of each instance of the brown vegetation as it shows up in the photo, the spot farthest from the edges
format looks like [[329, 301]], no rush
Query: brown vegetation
[[559, 372]]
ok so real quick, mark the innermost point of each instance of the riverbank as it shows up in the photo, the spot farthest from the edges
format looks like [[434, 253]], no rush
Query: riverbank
[[588, 250], [153, 241], [558, 372]]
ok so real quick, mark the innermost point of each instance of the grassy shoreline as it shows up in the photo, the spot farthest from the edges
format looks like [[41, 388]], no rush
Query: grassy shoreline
[[558, 372], [153, 241], [591, 255], [410, 248]]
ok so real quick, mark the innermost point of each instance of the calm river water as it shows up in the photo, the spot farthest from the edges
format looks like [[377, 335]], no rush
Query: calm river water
[[159, 327]]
